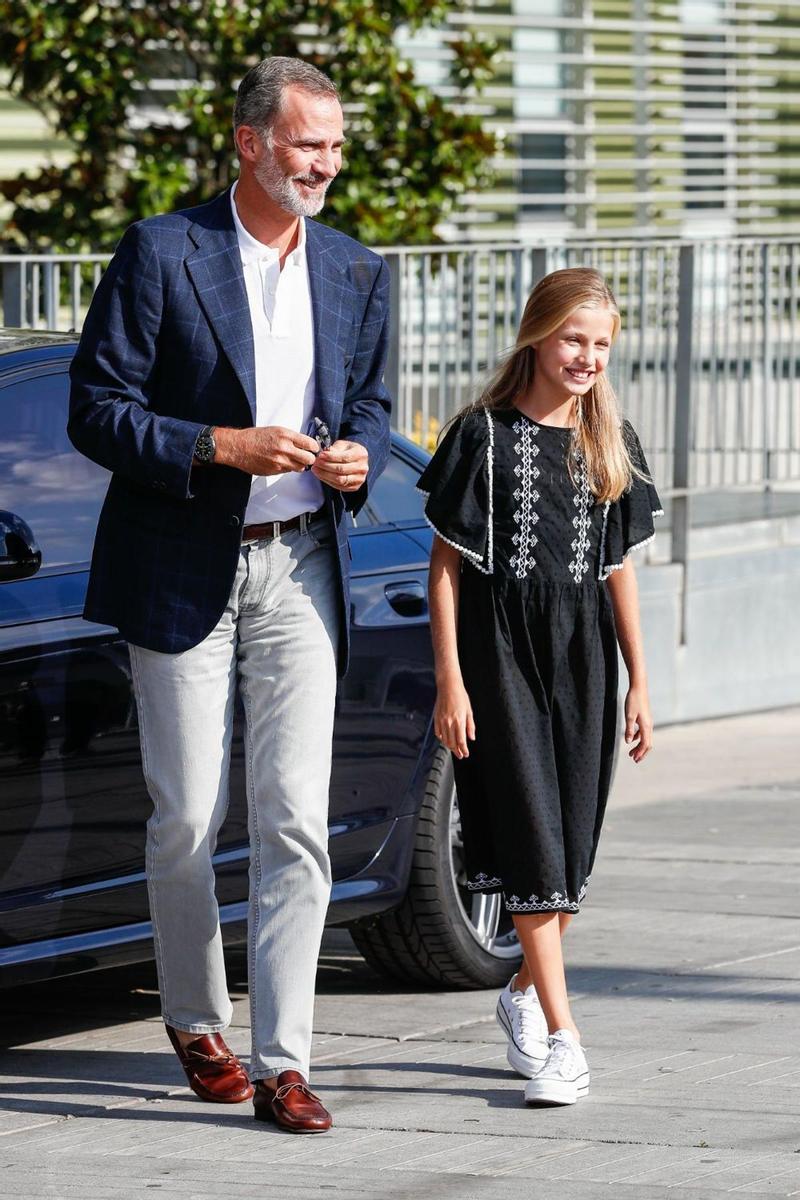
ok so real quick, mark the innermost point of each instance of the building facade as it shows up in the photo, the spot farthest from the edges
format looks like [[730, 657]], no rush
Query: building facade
[[653, 116], [648, 116]]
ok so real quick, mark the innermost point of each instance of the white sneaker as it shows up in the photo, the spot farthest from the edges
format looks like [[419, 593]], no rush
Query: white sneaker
[[520, 1016], [565, 1074]]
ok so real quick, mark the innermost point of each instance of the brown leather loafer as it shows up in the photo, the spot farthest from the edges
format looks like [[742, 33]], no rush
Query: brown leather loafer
[[291, 1105], [213, 1071]]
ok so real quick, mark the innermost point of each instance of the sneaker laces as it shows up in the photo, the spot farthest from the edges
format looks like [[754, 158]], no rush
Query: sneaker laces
[[528, 1014], [562, 1054]]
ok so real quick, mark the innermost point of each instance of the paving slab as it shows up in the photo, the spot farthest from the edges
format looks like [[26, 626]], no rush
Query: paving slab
[[684, 969], [207, 1181]]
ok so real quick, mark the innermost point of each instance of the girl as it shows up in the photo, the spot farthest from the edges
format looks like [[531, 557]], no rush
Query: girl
[[537, 493]]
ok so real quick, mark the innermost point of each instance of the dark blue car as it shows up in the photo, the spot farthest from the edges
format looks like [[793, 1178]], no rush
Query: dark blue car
[[73, 803]]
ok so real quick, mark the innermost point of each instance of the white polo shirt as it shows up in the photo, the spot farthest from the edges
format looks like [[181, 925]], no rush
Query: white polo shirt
[[282, 317]]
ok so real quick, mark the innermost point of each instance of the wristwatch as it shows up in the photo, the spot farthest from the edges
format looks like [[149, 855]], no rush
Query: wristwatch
[[205, 447]]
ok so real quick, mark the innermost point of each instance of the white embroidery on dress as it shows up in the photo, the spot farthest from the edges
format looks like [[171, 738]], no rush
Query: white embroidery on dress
[[558, 902], [605, 569], [471, 555], [526, 496], [482, 881], [583, 501], [490, 467], [601, 570], [481, 562]]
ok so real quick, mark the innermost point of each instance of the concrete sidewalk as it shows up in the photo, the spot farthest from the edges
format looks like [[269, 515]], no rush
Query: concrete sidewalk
[[685, 973]]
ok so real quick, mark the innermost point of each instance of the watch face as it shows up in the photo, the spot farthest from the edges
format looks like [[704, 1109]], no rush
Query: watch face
[[205, 447]]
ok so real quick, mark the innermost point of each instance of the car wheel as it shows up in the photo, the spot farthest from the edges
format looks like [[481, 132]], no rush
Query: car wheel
[[441, 934]]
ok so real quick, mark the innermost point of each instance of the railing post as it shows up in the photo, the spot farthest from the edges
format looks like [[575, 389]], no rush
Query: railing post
[[391, 374], [520, 295], [768, 394], [682, 440], [539, 263], [50, 280], [13, 294]]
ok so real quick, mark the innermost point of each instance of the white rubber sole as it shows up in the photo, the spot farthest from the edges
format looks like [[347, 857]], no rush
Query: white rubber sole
[[524, 1064], [552, 1092]]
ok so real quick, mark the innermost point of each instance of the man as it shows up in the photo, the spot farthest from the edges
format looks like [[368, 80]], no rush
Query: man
[[226, 347]]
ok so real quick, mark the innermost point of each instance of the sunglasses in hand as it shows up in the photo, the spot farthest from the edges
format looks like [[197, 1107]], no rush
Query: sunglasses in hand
[[319, 431]]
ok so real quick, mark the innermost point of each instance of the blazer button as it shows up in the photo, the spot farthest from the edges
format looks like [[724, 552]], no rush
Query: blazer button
[[234, 521], [159, 483]]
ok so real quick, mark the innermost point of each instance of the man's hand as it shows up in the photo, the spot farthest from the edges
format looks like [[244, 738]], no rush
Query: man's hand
[[344, 466], [265, 450]]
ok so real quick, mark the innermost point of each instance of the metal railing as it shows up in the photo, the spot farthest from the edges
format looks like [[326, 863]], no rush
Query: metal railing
[[49, 291], [707, 365]]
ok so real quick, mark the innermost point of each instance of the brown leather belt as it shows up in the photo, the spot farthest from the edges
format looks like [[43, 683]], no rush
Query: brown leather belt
[[274, 529]]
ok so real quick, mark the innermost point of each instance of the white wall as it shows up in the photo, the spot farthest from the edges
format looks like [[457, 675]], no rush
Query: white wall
[[742, 650]]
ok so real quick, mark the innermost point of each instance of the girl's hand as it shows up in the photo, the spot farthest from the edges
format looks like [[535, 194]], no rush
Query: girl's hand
[[453, 722], [638, 722]]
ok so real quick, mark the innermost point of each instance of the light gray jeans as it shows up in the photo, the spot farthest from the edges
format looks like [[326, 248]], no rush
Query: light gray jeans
[[277, 641]]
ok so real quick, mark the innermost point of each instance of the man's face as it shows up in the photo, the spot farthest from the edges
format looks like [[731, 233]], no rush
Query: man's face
[[302, 154]]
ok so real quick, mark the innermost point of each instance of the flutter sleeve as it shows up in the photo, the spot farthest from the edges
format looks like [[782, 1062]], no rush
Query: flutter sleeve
[[457, 483], [628, 522]]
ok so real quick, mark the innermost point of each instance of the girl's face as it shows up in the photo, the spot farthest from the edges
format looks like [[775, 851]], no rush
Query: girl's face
[[571, 358]]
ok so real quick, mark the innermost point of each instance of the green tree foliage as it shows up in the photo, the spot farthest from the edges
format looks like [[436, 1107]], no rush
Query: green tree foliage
[[91, 68]]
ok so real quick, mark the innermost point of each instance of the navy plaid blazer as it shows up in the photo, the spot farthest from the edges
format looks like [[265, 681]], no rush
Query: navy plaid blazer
[[167, 348]]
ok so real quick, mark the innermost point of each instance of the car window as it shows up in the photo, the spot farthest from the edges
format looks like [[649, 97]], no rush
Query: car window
[[394, 496], [43, 479]]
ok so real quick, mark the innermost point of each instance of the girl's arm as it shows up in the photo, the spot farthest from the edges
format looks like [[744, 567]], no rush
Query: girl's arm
[[453, 723], [624, 593]]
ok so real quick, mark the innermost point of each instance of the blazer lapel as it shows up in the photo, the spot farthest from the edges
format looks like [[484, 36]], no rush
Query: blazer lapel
[[332, 308], [215, 268]]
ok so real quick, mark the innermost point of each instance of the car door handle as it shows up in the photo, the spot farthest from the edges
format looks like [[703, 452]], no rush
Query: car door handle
[[407, 598]]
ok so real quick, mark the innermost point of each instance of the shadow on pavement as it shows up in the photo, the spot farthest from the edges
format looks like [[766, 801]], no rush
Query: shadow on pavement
[[123, 995]]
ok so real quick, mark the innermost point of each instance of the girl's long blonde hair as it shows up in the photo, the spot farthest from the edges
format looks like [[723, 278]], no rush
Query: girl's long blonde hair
[[597, 439]]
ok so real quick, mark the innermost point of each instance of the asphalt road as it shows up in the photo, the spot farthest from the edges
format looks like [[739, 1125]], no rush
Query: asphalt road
[[685, 975]]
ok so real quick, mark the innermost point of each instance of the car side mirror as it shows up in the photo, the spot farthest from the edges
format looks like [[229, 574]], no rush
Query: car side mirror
[[20, 556]]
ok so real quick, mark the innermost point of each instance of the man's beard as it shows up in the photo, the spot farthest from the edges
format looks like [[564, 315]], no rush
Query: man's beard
[[281, 188]]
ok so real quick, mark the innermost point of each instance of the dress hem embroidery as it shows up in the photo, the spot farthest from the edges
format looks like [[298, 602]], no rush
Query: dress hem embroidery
[[529, 906], [557, 902], [481, 881]]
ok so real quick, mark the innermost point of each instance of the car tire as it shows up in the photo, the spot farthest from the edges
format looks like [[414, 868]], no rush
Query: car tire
[[441, 935]]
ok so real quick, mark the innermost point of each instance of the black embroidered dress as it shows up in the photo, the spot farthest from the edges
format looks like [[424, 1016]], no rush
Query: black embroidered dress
[[537, 648]]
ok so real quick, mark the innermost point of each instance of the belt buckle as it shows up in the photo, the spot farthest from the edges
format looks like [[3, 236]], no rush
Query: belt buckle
[[276, 529]]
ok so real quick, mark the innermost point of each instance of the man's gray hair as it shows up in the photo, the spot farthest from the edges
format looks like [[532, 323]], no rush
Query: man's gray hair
[[260, 94]]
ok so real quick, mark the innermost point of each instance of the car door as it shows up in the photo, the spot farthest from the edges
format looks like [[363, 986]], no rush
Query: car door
[[386, 698], [73, 803]]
